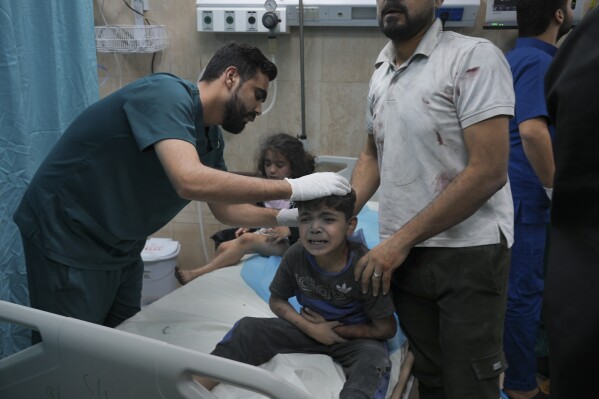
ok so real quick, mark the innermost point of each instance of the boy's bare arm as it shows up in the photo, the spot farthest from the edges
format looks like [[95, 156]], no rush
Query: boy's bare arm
[[381, 329], [321, 332]]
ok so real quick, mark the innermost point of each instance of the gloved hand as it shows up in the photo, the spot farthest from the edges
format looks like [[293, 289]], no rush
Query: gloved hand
[[318, 185], [287, 217], [549, 192]]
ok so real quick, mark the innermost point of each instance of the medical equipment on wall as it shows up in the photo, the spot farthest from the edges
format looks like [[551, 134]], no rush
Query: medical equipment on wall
[[138, 38], [252, 16], [501, 14], [242, 16]]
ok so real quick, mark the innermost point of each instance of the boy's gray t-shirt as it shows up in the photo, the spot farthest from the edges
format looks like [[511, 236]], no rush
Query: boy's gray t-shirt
[[335, 296]]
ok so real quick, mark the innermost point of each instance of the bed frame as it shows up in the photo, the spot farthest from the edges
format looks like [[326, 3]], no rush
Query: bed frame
[[78, 360]]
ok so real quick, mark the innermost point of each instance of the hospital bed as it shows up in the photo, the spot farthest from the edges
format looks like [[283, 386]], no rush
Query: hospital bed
[[154, 353], [198, 315], [83, 360]]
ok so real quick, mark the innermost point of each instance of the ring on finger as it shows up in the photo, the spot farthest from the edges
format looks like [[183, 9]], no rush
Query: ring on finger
[[376, 275]]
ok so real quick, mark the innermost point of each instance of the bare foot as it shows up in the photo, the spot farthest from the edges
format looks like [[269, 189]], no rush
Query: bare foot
[[184, 276]]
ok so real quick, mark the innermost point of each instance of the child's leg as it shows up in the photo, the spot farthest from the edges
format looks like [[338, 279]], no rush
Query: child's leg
[[367, 368], [230, 253], [256, 340], [226, 252]]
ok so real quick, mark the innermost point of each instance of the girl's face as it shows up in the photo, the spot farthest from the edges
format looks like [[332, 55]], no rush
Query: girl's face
[[276, 165]]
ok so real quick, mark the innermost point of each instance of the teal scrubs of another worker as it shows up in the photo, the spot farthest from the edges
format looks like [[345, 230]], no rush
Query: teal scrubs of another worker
[[102, 191]]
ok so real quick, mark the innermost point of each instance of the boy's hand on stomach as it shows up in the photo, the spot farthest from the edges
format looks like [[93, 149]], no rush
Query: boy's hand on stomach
[[325, 334]]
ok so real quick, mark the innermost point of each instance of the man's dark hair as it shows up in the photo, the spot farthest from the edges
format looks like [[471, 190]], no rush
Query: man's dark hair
[[534, 16], [300, 161], [247, 59], [342, 203]]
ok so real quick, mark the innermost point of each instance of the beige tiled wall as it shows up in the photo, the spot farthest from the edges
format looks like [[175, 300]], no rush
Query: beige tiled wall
[[338, 64]]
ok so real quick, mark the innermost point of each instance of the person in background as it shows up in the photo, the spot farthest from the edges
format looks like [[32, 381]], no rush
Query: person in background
[[336, 318], [437, 150], [280, 156], [540, 24], [571, 297], [127, 165]]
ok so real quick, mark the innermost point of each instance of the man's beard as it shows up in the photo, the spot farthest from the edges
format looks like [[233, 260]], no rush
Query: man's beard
[[235, 111], [413, 24], [565, 27]]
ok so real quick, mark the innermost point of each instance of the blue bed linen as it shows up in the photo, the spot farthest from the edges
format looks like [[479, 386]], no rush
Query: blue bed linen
[[368, 222]]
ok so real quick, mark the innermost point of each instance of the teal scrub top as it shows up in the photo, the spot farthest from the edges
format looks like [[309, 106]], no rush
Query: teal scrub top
[[101, 191]]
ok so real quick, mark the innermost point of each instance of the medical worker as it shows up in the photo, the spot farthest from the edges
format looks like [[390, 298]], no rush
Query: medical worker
[[127, 165], [540, 24]]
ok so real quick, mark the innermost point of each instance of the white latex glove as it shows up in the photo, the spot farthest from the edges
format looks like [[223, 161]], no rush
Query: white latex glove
[[287, 217], [549, 192], [318, 185]]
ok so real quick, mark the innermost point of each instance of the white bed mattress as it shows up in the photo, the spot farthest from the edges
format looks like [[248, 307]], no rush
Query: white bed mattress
[[197, 316]]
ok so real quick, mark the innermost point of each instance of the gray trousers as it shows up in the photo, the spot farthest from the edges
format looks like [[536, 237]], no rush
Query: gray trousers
[[256, 340]]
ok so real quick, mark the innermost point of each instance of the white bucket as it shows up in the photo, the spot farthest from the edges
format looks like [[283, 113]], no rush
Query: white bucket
[[160, 259]]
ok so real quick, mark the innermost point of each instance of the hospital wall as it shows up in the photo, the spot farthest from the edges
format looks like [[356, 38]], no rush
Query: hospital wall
[[338, 63]]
